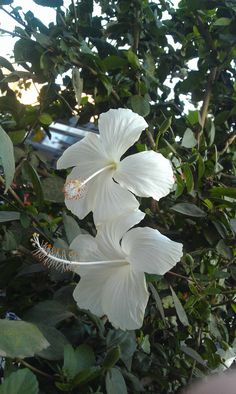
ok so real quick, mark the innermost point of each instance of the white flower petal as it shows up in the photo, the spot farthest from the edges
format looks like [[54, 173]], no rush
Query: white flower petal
[[110, 233], [111, 200], [88, 293], [86, 247], [82, 205], [149, 251], [146, 174], [88, 251], [88, 154], [119, 129], [125, 297]]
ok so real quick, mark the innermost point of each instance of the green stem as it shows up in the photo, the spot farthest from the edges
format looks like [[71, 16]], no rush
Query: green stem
[[34, 369]]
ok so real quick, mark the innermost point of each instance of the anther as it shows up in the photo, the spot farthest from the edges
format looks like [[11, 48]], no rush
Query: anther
[[74, 189]]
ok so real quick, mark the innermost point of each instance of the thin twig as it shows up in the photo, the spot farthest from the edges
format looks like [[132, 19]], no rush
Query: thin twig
[[205, 33], [75, 15], [20, 21], [207, 96], [66, 102], [199, 340], [13, 193], [151, 140], [229, 142], [211, 78], [11, 33], [180, 276], [36, 370], [136, 32]]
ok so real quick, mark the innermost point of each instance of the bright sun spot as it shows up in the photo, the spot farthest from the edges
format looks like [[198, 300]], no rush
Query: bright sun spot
[[28, 96]]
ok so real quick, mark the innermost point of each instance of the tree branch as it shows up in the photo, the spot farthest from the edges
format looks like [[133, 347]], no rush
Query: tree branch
[[20, 21], [207, 96], [11, 33]]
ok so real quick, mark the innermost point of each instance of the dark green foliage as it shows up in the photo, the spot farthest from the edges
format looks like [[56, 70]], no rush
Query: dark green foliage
[[125, 58]]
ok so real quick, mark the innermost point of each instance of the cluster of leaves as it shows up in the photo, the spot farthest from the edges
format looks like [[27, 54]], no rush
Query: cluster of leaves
[[126, 57]]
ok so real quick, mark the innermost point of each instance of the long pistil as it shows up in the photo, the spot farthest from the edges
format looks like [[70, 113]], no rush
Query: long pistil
[[57, 258]]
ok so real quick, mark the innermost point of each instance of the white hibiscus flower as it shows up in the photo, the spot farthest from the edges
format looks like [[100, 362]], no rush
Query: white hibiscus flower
[[115, 285], [112, 267], [103, 183]]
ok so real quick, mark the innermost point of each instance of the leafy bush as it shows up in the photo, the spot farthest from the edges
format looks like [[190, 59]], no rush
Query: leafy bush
[[123, 58]]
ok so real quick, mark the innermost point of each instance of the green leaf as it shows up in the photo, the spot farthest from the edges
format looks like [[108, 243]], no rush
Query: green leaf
[[48, 312], [9, 241], [223, 191], [86, 376], [145, 344], [126, 340], [56, 340], [224, 250], [203, 4], [163, 128], [43, 40], [53, 189], [6, 2], [7, 158], [193, 117], [20, 382], [20, 339], [17, 137], [113, 62], [112, 357], [188, 177], [84, 48], [49, 3], [210, 132], [16, 75], [149, 65], [115, 383], [4, 62], [132, 58], [45, 119], [158, 300], [107, 83], [189, 140], [201, 167], [30, 173], [72, 228], [8, 216], [233, 225], [165, 125], [193, 354], [140, 105], [180, 185], [222, 22], [25, 220], [189, 209], [179, 309], [77, 360]]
